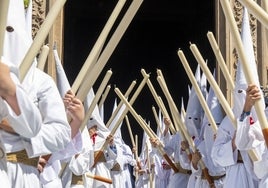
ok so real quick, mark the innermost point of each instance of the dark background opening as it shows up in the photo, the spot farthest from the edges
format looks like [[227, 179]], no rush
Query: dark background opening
[[151, 42]]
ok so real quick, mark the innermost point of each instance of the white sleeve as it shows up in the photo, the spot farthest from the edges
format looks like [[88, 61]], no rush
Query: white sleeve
[[29, 122], [85, 159], [222, 152], [55, 131], [184, 160], [248, 136], [82, 163], [261, 166], [74, 147]]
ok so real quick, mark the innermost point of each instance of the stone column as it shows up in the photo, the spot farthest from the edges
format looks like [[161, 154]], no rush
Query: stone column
[[40, 9]]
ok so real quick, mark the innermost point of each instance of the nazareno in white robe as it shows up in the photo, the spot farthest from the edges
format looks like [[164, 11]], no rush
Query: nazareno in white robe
[[122, 178], [102, 168], [213, 170], [81, 164], [161, 175], [249, 136], [173, 148], [237, 174], [43, 128]]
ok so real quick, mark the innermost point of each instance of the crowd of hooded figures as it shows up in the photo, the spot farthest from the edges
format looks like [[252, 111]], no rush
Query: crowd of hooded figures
[[42, 143]]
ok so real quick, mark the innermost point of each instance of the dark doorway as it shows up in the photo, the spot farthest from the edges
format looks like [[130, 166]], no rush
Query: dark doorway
[[151, 42]]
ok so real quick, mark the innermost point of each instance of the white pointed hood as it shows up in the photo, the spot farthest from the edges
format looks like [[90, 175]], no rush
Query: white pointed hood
[[101, 109], [217, 113], [240, 81], [189, 90], [145, 140], [18, 39], [203, 86], [183, 112], [214, 105], [89, 98], [118, 134], [62, 80], [194, 110], [95, 118], [161, 127]]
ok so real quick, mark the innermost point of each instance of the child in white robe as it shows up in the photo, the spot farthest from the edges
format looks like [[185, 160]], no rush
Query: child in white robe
[[41, 126], [249, 135]]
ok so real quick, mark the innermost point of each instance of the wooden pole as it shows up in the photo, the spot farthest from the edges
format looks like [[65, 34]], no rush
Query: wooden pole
[[40, 37], [93, 55], [183, 128], [145, 128], [162, 107], [4, 5], [214, 86], [104, 95], [159, 73], [43, 57], [265, 8], [136, 145], [120, 119], [130, 88], [96, 99], [137, 158], [246, 68], [199, 94], [99, 178], [163, 85], [151, 131], [110, 47], [264, 35], [220, 96], [90, 110], [157, 120], [130, 131], [255, 10], [220, 60]]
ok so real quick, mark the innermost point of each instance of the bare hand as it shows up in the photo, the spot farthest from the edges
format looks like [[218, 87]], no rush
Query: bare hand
[[75, 110], [134, 149], [154, 142], [110, 139], [68, 97], [41, 164], [6, 127], [184, 145], [253, 94], [196, 156], [7, 86], [167, 121]]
